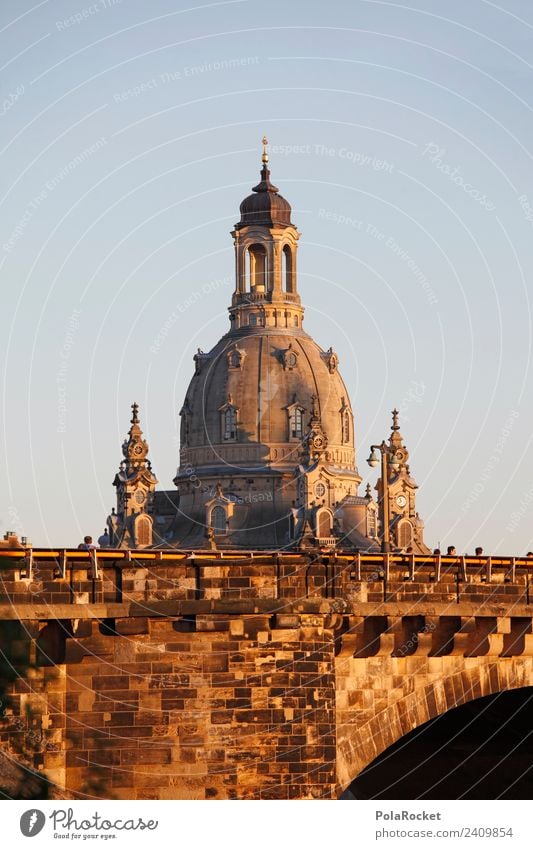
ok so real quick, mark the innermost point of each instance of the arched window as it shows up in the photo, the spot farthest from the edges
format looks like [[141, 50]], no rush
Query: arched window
[[405, 534], [258, 267], [345, 426], [324, 524], [296, 423], [218, 520], [288, 269], [235, 358], [143, 531], [371, 523], [295, 321], [230, 423]]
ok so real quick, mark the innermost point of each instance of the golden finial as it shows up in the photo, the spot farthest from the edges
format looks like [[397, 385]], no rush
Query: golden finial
[[265, 154]]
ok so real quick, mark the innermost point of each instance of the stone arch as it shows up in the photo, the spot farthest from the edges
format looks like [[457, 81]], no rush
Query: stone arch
[[288, 273], [143, 531], [257, 256], [404, 533], [324, 522], [461, 680]]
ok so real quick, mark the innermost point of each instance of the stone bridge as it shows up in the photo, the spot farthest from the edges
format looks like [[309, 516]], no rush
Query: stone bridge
[[174, 674]]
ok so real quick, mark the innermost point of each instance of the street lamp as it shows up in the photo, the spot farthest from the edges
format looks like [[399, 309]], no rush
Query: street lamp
[[388, 458]]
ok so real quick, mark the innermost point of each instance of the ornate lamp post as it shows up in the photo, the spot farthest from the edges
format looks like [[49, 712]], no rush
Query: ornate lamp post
[[388, 458]]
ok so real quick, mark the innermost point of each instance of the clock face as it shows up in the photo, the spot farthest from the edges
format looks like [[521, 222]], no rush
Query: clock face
[[401, 500], [320, 490], [140, 496]]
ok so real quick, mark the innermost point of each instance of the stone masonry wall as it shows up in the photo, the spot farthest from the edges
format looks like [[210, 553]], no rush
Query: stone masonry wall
[[236, 709]]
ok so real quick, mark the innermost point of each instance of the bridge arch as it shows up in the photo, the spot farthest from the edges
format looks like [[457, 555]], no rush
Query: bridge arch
[[460, 680]]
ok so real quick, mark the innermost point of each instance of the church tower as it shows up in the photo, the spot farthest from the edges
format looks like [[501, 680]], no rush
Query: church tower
[[406, 526], [131, 525], [267, 454]]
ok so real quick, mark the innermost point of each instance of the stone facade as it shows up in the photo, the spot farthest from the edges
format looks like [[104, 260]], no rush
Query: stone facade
[[168, 676], [267, 437]]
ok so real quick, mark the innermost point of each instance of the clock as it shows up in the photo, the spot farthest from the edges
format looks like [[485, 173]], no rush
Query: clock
[[140, 496], [320, 489], [401, 500]]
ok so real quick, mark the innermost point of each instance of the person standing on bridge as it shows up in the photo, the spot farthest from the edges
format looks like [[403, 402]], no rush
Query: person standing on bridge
[[451, 551], [87, 544]]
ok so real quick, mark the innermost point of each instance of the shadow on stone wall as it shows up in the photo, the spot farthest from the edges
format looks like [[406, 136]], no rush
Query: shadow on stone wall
[[481, 750]]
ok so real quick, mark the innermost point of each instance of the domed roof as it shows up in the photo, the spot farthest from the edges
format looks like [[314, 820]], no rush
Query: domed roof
[[266, 206], [264, 374]]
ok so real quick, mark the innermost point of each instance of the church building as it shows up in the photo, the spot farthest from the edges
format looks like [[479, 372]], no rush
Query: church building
[[267, 440]]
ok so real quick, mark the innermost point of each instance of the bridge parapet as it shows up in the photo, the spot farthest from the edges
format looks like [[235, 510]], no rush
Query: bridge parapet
[[58, 576]]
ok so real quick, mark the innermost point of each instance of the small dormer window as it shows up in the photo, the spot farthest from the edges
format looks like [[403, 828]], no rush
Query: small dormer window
[[296, 422], [230, 423], [235, 357], [331, 359], [289, 358], [218, 520]]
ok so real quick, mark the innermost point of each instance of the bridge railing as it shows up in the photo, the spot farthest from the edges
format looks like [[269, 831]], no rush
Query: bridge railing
[[55, 575]]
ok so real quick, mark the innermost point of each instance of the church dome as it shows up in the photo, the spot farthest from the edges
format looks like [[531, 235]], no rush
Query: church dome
[[251, 400], [265, 206], [267, 437]]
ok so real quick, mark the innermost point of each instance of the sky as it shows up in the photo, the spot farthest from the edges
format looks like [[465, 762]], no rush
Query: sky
[[401, 135]]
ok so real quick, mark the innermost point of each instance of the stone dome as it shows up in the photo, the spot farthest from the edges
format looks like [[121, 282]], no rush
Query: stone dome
[[265, 382], [266, 206]]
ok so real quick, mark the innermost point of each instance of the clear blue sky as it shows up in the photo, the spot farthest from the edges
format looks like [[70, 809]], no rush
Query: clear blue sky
[[401, 134]]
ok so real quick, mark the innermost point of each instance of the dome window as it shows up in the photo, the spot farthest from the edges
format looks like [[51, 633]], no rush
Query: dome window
[[289, 358], [218, 520], [235, 357], [296, 422], [332, 360], [229, 423]]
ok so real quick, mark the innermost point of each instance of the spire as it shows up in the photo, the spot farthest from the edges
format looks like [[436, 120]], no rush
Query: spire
[[396, 441], [265, 185], [134, 447]]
